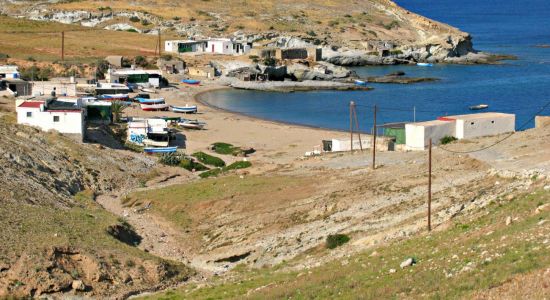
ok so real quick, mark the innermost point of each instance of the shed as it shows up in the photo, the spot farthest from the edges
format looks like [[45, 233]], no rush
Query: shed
[[482, 124], [395, 130], [417, 135]]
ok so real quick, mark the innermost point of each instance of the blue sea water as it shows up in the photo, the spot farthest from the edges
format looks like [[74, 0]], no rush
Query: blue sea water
[[504, 26]]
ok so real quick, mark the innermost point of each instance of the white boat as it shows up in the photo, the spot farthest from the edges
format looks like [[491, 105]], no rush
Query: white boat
[[361, 82], [153, 143], [154, 107], [478, 107], [424, 64], [191, 109], [148, 91], [192, 124]]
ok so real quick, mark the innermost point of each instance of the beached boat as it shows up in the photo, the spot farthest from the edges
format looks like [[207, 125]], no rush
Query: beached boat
[[191, 124], [361, 82], [153, 143], [424, 65], [478, 107], [160, 149], [188, 109], [173, 119], [154, 107], [150, 101], [191, 81], [114, 97], [148, 90]]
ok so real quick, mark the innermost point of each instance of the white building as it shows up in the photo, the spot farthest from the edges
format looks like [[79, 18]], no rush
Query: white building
[[184, 46], [483, 124], [63, 116], [220, 46], [136, 77], [419, 134], [459, 126], [9, 72], [148, 131]]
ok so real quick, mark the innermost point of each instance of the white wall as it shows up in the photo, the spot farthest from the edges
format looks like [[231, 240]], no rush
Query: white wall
[[69, 122], [419, 134], [492, 125], [220, 46]]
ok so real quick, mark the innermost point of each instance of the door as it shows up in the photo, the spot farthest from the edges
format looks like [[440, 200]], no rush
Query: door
[[212, 48]]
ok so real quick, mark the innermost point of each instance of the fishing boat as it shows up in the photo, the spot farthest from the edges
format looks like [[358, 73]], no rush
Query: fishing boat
[[191, 81], [153, 143], [160, 149], [361, 82], [148, 90], [478, 107], [114, 97], [192, 124], [188, 109], [150, 101], [170, 119], [424, 64], [154, 107]]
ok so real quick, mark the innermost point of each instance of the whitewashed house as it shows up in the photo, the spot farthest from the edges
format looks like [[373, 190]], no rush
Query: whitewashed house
[[9, 72], [64, 116], [220, 46], [458, 126], [184, 46], [135, 77]]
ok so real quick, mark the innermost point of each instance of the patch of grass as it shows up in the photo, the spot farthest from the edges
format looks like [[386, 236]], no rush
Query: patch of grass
[[336, 240], [447, 139], [209, 159], [451, 264], [191, 165], [211, 173], [238, 165]]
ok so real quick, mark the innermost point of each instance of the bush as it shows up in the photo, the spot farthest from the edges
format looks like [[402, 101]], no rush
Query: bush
[[213, 172], [191, 165], [132, 30], [269, 61], [134, 19], [223, 148], [140, 61], [447, 139], [396, 52], [4, 56], [238, 165], [170, 159], [209, 159], [311, 33], [145, 22], [336, 240]]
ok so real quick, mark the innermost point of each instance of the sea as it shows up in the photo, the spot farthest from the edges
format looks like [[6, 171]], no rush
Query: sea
[[519, 86]]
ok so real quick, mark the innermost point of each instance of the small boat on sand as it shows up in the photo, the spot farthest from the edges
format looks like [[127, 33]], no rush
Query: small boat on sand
[[153, 143], [150, 101], [154, 107], [188, 109], [478, 107], [424, 64], [148, 91], [191, 81], [114, 97], [160, 149], [191, 124]]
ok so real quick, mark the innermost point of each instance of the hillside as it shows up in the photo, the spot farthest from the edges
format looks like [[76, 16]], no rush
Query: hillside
[[361, 25]]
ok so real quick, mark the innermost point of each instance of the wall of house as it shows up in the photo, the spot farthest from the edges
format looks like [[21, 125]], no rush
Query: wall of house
[[418, 134], [492, 125], [69, 122], [382, 144], [222, 47], [542, 121], [207, 72], [46, 88]]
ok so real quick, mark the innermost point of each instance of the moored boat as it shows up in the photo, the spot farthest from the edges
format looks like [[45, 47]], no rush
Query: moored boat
[[478, 107], [191, 81], [188, 109], [154, 107], [424, 64], [150, 101], [361, 82], [160, 149]]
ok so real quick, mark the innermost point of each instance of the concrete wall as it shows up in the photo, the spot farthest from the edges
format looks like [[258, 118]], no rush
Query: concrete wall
[[542, 121], [207, 72], [294, 53], [419, 134], [382, 143], [262, 52], [471, 128], [69, 122], [219, 46], [46, 87]]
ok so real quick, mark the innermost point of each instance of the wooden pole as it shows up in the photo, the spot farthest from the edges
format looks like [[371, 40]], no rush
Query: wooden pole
[[62, 45], [351, 107], [159, 44], [374, 142], [357, 128], [430, 186]]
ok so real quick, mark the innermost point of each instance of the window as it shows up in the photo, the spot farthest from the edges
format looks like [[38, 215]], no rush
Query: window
[[472, 123], [56, 118], [29, 114], [492, 122]]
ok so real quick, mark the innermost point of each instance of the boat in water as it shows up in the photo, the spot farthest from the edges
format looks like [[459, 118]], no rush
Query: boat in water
[[424, 64], [191, 124], [154, 107], [160, 149], [188, 109], [191, 81], [478, 107], [150, 101], [361, 82]]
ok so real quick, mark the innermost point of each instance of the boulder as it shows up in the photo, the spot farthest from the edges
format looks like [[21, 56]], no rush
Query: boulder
[[407, 262], [78, 285]]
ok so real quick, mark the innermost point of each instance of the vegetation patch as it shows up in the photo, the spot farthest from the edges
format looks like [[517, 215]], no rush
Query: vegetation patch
[[209, 159], [238, 165], [191, 165], [447, 139], [336, 240]]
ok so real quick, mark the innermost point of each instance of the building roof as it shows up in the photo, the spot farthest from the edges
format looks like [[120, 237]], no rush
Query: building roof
[[31, 104], [487, 115], [136, 72], [393, 125], [57, 105], [429, 123], [186, 41], [8, 69]]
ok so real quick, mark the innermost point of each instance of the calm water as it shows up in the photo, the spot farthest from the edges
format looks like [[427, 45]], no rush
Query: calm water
[[505, 26]]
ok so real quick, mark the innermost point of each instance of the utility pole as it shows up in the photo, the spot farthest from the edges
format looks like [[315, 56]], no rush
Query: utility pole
[[62, 45], [374, 141], [351, 106], [159, 43], [357, 127], [430, 187]]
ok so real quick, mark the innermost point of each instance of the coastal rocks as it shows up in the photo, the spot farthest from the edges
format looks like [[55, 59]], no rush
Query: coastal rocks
[[273, 72]]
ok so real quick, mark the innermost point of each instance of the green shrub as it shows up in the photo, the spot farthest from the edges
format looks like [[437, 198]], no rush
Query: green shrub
[[191, 165], [133, 147], [223, 148], [211, 173], [132, 30], [238, 165], [170, 159], [209, 159], [134, 19], [396, 52], [447, 139], [335, 240]]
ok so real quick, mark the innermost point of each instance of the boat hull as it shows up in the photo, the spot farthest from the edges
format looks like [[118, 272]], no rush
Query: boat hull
[[160, 149], [154, 107], [185, 109], [191, 82]]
